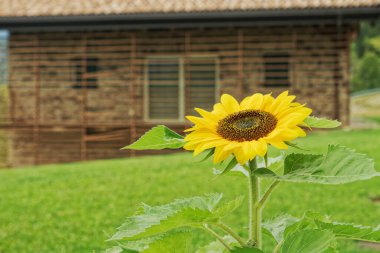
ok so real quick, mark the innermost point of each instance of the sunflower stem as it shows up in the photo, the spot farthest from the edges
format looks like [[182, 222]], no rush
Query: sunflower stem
[[267, 194], [218, 237], [232, 233], [254, 225], [266, 159]]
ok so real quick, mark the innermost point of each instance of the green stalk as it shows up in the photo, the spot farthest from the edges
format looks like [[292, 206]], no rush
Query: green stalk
[[254, 225], [232, 233], [278, 247], [267, 194], [218, 237]]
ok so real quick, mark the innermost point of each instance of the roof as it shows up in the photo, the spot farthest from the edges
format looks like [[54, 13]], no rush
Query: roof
[[38, 8]]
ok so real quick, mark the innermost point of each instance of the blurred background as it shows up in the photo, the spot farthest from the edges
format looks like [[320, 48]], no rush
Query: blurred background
[[79, 80]]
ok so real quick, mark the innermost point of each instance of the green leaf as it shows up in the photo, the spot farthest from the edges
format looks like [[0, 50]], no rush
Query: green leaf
[[217, 247], [225, 166], [115, 249], [271, 160], [295, 145], [286, 225], [306, 222], [351, 231], [138, 245], [191, 212], [277, 226], [205, 155], [159, 137], [308, 241], [315, 122], [340, 165], [228, 207], [246, 250], [341, 230], [173, 242]]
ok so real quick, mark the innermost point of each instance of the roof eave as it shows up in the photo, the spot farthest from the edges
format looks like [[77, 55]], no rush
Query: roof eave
[[186, 19]]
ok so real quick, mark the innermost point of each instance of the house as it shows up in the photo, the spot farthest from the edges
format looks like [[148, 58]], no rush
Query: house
[[87, 77]]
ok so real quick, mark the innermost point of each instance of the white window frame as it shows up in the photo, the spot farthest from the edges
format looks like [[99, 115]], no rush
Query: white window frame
[[182, 96]]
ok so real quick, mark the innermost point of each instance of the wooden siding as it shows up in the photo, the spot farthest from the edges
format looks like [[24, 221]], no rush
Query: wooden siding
[[52, 121]]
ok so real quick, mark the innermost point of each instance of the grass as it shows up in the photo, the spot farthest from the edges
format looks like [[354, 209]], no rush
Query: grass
[[3, 113], [75, 207], [364, 109]]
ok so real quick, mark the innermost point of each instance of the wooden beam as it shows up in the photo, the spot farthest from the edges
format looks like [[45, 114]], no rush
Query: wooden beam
[[240, 67], [84, 98], [36, 74], [133, 84]]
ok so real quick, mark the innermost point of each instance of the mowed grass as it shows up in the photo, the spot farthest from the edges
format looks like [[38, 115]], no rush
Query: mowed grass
[[3, 115], [76, 207]]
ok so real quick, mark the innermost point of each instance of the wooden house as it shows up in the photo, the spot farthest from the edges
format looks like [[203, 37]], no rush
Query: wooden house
[[87, 77]]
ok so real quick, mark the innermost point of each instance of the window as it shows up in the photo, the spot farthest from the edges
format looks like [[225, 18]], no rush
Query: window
[[276, 69], [85, 73], [164, 88], [201, 77], [175, 85]]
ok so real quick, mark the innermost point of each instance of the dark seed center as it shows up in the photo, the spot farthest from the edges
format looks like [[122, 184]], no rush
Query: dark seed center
[[246, 125]]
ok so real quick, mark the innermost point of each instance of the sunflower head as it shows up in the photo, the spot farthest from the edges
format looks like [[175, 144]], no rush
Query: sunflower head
[[246, 129]]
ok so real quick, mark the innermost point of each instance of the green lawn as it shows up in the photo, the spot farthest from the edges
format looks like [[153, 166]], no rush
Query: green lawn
[[3, 113], [75, 207], [365, 109]]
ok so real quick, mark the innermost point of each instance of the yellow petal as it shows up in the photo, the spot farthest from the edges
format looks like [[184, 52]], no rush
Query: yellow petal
[[208, 115], [293, 119], [201, 134], [284, 134], [267, 102], [190, 146], [300, 131], [252, 102], [220, 155], [232, 145], [219, 110], [229, 103], [249, 150], [281, 104], [278, 144], [240, 156], [260, 147]]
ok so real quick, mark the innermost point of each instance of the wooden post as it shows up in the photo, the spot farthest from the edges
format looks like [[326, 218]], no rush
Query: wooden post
[[338, 74], [293, 62], [187, 74], [132, 114], [36, 73], [240, 64], [84, 98]]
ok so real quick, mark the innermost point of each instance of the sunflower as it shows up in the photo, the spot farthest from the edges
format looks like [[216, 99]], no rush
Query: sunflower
[[245, 130]]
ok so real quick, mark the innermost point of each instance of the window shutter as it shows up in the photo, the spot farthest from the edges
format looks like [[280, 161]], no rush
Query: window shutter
[[276, 69], [91, 69], [200, 81], [163, 88]]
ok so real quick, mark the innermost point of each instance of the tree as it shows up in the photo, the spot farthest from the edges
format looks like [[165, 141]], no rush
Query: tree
[[368, 73]]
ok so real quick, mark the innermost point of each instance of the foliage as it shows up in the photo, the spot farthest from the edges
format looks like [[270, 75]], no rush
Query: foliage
[[367, 31], [217, 247], [308, 241], [153, 223], [367, 75], [315, 122], [340, 165], [365, 57], [71, 201], [311, 234], [286, 229], [159, 137]]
